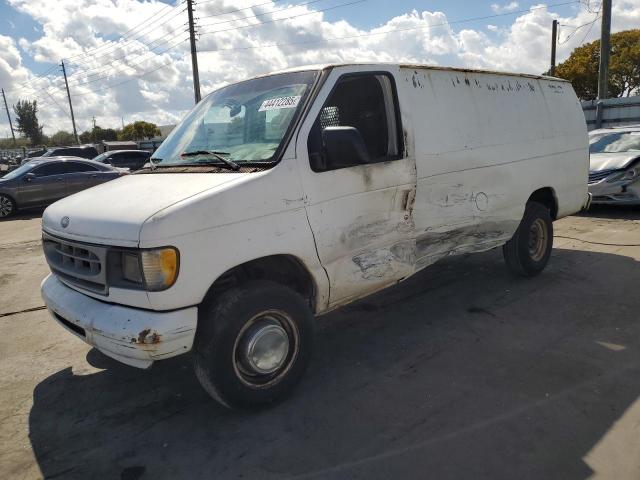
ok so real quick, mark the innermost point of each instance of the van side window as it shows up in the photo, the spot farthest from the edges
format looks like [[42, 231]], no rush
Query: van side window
[[366, 102]]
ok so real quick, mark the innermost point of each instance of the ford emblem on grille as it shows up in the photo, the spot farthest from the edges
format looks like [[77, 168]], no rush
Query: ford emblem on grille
[[64, 222]]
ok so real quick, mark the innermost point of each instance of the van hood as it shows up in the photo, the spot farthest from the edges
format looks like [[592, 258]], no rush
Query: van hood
[[611, 161], [113, 213]]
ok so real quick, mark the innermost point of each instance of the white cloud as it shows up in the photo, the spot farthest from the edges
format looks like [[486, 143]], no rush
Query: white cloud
[[507, 7], [159, 85]]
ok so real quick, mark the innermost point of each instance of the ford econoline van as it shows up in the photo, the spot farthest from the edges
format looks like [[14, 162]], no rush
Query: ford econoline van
[[282, 197]]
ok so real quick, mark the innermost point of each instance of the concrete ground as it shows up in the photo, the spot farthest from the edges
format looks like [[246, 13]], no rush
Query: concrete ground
[[460, 372]]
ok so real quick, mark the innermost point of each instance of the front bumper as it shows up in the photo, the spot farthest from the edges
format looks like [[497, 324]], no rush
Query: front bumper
[[615, 193], [130, 335]]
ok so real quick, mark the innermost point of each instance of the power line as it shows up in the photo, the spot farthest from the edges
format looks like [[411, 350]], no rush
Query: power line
[[257, 15], [371, 34], [126, 34], [313, 12], [121, 45], [103, 68], [137, 77]]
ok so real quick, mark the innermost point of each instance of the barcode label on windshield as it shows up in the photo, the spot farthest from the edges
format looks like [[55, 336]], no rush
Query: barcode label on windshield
[[278, 103]]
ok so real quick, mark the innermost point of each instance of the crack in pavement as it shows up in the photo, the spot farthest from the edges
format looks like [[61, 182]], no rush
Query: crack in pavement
[[26, 310]]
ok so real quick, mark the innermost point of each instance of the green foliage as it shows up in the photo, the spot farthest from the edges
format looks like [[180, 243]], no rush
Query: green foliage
[[7, 143], [61, 138], [581, 68], [27, 120], [139, 130], [98, 134]]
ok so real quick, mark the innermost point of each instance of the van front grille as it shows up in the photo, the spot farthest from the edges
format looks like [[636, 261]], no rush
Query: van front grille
[[77, 263]]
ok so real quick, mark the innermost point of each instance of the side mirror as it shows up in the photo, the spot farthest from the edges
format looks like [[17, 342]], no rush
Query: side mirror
[[29, 176], [108, 161], [344, 147]]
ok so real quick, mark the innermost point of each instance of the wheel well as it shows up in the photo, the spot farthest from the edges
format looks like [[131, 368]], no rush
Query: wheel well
[[546, 196], [283, 269]]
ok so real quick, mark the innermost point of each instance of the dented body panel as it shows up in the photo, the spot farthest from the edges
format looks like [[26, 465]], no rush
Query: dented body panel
[[475, 146], [130, 335]]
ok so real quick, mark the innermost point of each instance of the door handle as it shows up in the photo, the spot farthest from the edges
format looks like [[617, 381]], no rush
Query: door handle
[[59, 179], [94, 176]]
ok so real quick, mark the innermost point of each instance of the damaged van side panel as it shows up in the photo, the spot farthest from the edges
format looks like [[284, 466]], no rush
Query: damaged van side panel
[[476, 147], [486, 142]]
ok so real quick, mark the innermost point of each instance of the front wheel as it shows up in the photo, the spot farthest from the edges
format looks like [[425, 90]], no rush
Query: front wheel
[[7, 206], [253, 344], [528, 251]]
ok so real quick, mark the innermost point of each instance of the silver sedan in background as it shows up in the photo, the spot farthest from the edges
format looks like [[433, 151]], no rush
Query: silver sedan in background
[[42, 181], [614, 170]]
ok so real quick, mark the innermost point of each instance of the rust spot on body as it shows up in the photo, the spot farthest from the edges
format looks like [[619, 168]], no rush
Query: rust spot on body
[[147, 337]]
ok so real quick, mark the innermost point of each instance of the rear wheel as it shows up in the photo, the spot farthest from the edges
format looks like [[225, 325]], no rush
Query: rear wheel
[[528, 251], [7, 206], [253, 344]]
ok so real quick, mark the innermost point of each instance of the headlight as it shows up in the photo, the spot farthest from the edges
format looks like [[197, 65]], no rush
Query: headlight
[[625, 176], [155, 269], [159, 267]]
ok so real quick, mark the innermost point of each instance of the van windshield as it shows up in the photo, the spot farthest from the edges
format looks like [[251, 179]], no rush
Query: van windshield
[[244, 123]]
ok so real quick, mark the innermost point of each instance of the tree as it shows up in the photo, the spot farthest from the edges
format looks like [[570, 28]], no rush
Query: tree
[[581, 68], [139, 130], [98, 134], [61, 138], [27, 120]]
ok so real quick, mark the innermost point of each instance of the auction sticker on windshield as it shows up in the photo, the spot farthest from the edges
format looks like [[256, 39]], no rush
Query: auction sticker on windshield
[[280, 102]]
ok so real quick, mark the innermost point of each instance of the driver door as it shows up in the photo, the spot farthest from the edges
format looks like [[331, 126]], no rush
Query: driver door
[[47, 186], [360, 213]]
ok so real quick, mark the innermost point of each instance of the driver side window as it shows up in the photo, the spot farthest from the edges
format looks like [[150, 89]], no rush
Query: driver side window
[[368, 104]]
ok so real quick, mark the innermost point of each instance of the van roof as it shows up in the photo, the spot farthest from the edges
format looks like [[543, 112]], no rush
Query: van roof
[[327, 66]]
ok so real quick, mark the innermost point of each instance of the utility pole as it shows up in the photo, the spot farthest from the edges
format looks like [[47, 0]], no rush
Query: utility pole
[[13, 135], [605, 33], [603, 71], [73, 119], [554, 40], [194, 53], [93, 132]]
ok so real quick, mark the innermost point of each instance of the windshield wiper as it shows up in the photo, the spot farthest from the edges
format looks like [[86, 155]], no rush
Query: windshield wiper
[[152, 163], [214, 154]]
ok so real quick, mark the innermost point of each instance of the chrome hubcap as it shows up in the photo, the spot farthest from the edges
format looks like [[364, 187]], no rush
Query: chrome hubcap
[[5, 206], [266, 348], [538, 238]]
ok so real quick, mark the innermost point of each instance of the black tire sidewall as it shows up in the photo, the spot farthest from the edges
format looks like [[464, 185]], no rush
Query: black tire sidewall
[[219, 325], [13, 205], [533, 212]]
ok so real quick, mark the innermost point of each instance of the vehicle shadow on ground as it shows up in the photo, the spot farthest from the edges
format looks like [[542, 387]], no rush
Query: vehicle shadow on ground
[[617, 212], [461, 372], [25, 214]]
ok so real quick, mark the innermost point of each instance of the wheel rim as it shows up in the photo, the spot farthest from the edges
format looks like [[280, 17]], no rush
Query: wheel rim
[[6, 206], [538, 238], [266, 348]]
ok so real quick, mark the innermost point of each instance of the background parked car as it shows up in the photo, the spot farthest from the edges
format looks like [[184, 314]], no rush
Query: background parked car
[[614, 170], [131, 159], [82, 151], [44, 180]]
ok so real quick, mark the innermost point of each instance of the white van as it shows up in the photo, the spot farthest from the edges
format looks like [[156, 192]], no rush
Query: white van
[[284, 196]]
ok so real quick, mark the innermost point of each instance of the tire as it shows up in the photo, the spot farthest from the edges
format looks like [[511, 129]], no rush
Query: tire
[[226, 328], [528, 251], [7, 206]]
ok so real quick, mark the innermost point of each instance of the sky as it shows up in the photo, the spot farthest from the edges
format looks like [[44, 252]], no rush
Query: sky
[[129, 60]]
